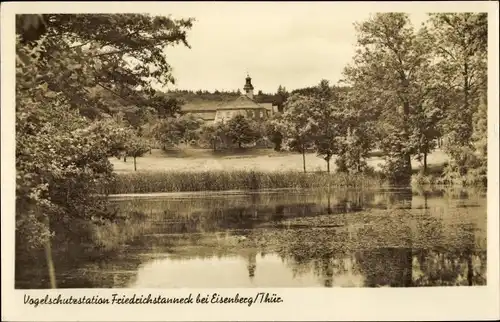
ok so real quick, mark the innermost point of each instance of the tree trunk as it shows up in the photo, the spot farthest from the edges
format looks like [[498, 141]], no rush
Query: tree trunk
[[150, 150], [407, 156], [470, 272], [425, 162], [279, 142], [466, 110], [215, 146], [328, 164], [125, 158], [407, 268], [135, 164], [304, 158], [239, 145], [48, 257], [408, 163], [50, 264]]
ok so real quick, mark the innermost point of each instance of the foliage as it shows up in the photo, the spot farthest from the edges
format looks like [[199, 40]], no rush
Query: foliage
[[460, 47], [327, 122], [190, 127], [64, 135], [213, 134], [273, 130], [360, 134], [396, 58], [59, 165], [280, 98], [480, 130], [425, 131], [166, 106], [173, 131], [354, 149], [136, 147], [241, 131], [469, 164], [122, 57], [297, 125]]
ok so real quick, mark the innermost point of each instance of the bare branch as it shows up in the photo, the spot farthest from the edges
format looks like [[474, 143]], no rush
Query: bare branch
[[447, 52]]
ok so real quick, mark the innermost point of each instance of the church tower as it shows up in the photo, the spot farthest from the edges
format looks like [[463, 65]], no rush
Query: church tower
[[248, 87]]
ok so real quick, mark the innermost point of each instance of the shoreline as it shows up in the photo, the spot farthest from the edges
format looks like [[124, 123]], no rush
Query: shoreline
[[242, 192]]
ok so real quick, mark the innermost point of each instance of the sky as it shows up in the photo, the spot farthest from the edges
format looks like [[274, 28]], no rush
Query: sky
[[293, 44]]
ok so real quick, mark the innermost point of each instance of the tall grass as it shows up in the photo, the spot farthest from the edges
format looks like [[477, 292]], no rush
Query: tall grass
[[151, 182], [113, 235]]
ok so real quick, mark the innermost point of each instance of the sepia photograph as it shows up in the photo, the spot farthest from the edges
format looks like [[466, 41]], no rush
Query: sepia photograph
[[251, 146]]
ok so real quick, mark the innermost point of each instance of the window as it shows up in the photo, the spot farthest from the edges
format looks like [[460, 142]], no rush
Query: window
[[261, 114]]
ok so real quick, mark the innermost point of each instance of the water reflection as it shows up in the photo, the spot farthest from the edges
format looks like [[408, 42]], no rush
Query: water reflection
[[373, 238]]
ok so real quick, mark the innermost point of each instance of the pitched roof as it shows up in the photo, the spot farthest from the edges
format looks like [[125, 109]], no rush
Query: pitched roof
[[242, 102], [205, 115], [200, 106]]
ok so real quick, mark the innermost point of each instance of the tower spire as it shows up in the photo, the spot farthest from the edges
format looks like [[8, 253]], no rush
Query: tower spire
[[248, 86]]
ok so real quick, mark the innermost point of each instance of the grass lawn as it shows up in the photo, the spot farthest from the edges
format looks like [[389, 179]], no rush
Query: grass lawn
[[197, 160]]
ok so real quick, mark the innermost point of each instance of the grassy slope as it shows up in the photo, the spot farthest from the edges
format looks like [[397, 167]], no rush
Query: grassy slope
[[253, 159]]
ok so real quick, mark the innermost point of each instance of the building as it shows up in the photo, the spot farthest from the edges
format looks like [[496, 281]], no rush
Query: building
[[243, 105]]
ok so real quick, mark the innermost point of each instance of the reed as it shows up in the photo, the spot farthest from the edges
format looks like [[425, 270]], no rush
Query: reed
[[112, 236], [153, 182]]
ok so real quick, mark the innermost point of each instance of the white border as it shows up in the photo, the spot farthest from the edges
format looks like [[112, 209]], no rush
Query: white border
[[438, 303]]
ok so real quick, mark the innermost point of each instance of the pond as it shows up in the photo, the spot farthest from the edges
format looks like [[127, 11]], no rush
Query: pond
[[311, 238]]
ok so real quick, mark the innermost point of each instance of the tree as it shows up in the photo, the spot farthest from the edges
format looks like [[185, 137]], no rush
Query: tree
[[122, 56], [273, 130], [297, 125], [189, 126], [149, 134], [166, 106], [167, 132], [425, 119], [306, 91], [174, 131], [391, 55], [136, 147], [460, 44], [63, 139], [358, 133], [354, 147], [470, 163], [480, 130], [213, 134], [327, 121], [281, 97], [121, 137], [61, 158], [241, 131], [480, 141]]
